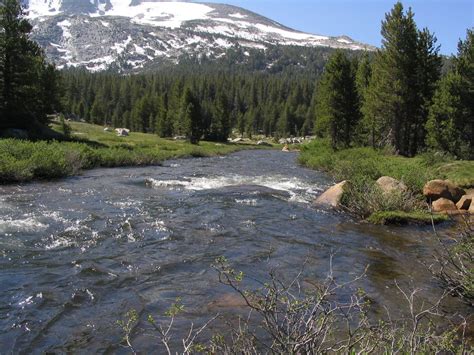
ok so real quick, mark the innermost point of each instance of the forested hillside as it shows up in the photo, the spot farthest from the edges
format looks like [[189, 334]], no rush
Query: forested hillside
[[251, 103]]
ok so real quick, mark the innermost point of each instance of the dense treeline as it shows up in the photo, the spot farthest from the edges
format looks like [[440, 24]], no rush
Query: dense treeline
[[250, 103], [398, 99], [29, 86]]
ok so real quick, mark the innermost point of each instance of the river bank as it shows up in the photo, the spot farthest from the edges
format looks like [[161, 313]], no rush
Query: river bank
[[90, 146], [363, 166]]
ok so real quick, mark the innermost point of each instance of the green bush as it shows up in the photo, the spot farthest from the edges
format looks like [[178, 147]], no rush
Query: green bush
[[360, 163], [365, 198]]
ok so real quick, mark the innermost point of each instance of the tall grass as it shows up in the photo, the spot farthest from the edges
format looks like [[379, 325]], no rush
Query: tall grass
[[22, 161], [363, 166]]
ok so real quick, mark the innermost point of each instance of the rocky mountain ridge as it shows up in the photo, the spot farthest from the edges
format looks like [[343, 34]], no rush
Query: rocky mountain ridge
[[130, 35]]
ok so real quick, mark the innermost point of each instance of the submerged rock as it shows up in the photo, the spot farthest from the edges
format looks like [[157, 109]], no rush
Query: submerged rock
[[389, 185], [444, 205], [333, 196], [227, 301], [436, 189]]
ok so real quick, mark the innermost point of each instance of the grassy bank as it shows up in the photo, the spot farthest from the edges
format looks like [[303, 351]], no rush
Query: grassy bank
[[363, 166], [91, 147]]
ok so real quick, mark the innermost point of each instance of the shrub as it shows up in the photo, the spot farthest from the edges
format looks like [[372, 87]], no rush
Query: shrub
[[454, 263], [365, 198], [286, 317]]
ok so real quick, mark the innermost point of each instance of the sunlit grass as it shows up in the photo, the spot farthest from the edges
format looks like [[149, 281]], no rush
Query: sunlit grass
[[89, 147]]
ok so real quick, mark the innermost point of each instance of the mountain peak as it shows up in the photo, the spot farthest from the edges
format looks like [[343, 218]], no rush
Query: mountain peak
[[98, 33]]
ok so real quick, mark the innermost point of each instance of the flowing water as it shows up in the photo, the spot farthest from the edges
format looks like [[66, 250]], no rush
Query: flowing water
[[77, 254]]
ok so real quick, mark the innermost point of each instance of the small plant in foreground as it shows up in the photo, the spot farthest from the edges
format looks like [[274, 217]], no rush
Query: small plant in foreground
[[454, 263], [294, 318]]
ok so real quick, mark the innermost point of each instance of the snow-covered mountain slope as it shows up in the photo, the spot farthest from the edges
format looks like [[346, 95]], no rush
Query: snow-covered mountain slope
[[131, 34]]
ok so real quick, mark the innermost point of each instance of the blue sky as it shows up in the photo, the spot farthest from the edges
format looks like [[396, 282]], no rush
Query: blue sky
[[360, 19]]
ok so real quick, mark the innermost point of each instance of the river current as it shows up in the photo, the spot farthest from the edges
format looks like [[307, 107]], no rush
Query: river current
[[77, 254]]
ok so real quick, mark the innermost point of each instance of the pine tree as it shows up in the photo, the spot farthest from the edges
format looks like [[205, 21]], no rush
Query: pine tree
[[25, 75], [220, 119], [284, 121], [51, 90], [451, 116], [191, 117], [429, 71], [391, 101], [164, 128], [363, 76], [404, 75], [338, 104], [465, 68], [445, 118]]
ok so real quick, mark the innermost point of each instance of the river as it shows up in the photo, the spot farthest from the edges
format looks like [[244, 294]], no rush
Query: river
[[76, 254]]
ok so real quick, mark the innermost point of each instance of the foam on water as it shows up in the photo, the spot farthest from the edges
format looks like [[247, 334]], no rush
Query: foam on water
[[247, 201], [299, 190], [29, 224]]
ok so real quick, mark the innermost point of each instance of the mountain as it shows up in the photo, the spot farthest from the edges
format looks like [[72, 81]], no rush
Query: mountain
[[131, 35]]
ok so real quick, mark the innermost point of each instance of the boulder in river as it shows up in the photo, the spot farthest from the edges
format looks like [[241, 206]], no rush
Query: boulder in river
[[390, 185], [436, 189], [444, 205], [333, 196]]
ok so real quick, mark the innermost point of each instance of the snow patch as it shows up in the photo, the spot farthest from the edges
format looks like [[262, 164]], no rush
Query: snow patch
[[40, 8], [238, 15], [160, 14], [290, 34], [139, 50], [120, 47], [65, 25], [223, 43], [342, 40]]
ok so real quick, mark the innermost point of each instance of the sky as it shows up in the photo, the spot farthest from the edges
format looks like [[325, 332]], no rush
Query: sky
[[361, 19]]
